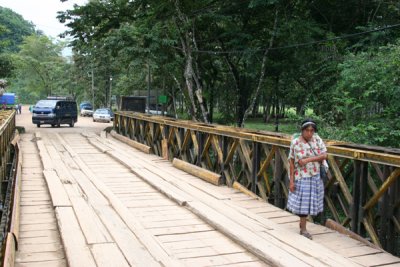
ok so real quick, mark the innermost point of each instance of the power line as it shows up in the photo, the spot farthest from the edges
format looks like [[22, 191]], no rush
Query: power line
[[346, 36]]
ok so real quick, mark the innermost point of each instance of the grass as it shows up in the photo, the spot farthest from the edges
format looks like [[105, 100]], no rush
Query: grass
[[288, 126], [284, 126]]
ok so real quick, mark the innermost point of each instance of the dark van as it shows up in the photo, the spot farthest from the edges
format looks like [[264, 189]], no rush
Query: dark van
[[55, 112]]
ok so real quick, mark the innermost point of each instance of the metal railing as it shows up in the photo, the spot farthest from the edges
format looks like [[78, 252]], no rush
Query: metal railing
[[362, 193]]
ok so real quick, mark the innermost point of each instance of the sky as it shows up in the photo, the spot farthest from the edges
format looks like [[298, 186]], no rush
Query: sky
[[42, 13]]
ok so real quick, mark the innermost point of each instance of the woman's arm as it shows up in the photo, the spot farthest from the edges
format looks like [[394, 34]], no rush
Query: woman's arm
[[320, 157], [291, 175]]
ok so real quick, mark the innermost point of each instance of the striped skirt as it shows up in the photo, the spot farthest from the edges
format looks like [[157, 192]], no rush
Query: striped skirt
[[308, 197]]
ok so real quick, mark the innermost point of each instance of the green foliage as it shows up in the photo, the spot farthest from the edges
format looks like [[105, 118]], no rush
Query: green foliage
[[368, 96], [350, 84], [40, 70], [13, 28]]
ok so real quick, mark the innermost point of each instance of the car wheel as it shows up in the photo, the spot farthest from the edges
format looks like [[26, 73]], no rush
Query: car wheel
[[53, 125], [72, 123], [38, 125]]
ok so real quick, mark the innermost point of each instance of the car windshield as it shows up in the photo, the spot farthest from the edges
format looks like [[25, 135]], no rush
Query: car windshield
[[46, 104], [101, 111]]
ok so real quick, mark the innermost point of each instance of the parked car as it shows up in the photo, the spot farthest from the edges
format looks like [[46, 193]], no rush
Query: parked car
[[101, 114], [86, 111], [55, 112], [111, 113], [85, 104]]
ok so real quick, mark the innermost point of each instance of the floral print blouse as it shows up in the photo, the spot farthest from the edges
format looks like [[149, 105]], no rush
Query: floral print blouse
[[300, 150]]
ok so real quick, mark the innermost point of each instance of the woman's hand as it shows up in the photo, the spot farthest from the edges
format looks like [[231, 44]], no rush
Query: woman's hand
[[291, 186], [303, 162]]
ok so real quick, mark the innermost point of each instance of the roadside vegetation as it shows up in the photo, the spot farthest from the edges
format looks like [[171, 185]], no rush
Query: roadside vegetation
[[245, 63]]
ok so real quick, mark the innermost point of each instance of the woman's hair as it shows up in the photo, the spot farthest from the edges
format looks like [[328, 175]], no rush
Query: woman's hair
[[308, 122]]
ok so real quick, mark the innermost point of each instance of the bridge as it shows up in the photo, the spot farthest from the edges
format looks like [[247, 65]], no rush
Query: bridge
[[162, 192]]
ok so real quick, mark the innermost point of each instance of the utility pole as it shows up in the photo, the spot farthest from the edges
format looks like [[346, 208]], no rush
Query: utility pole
[[148, 89], [93, 87], [110, 104]]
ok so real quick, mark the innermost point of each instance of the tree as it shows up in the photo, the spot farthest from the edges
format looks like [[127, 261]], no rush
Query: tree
[[367, 96], [40, 68], [13, 28]]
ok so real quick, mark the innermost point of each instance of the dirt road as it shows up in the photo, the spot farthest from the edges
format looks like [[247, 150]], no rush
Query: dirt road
[[84, 124]]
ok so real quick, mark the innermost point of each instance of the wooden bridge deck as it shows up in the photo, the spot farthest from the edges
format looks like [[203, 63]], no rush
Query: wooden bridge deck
[[93, 201]]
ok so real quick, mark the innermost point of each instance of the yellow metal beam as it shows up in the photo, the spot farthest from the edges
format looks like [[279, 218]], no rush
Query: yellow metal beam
[[334, 148], [390, 180]]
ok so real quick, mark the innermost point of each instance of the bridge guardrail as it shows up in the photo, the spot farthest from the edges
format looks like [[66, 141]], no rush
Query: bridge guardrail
[[9, 188], [363, 190]]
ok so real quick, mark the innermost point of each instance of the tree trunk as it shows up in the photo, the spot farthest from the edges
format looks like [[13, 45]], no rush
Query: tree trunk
[[211, 102], [190, 107], [249, 110], [192, 76]]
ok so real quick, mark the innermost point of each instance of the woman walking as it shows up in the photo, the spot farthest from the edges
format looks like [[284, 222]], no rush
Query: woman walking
[[307, 153]]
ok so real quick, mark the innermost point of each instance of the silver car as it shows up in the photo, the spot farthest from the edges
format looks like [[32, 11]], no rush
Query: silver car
[[101, 114], [86, 111]]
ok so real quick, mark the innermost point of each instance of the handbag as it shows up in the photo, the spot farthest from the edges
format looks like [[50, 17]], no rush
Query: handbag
[[323, 174]]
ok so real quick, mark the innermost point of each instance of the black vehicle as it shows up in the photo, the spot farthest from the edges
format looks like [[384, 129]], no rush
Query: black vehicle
[[55, 112]]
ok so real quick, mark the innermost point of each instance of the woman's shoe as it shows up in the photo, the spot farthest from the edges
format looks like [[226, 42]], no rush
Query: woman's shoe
[[306, 234]]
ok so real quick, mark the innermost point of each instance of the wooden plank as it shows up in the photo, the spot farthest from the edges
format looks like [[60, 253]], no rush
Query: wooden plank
[[92, 228], [286, 237], [269, 253], [167, 168], [341, 229], [36, 209], [108, 255], [276, 214], [141, 147], [204, 174], [132, 223], [244, 190], [38, 226], [58, 195], [286, 219], [181, 229], [45, 158], [162, 186], [31, 248], [337, 241], [169, 217], [38, 241], [53, 263], [190, 236], [222, 245], [359, 251], [135, 253], [40, 256], [9, 253], [40, 233], [240, 258], [34, 219], [172, 223], [374, 260], [78, 253]]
